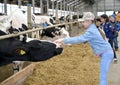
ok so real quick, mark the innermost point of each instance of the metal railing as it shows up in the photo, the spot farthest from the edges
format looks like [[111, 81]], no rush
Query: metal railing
[[33, 30]]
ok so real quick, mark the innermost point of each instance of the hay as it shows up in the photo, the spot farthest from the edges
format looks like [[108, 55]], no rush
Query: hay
[[75, 66]]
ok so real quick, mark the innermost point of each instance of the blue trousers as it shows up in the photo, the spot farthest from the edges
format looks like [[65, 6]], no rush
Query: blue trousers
[[115, 41], [105, 61]]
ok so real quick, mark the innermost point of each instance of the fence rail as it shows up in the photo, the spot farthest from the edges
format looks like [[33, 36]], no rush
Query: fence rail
[[33, 30]]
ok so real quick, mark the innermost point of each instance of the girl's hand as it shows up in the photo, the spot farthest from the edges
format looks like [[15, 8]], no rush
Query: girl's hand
[[59, 41]]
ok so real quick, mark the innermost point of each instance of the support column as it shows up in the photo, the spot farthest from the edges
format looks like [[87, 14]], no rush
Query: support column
[[5, 7], [53, 7], [33, 5], [47, 7], [19, 3], [41, 6], [29, 16], [56, 14]]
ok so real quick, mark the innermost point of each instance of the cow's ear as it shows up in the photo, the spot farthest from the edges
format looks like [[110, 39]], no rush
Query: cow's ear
[[24, 27]]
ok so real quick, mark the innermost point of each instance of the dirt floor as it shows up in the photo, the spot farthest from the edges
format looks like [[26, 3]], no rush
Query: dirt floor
[[113, 75], [75, 66]]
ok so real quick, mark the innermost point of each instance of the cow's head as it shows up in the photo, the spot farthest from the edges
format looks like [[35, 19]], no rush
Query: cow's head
[[5, 24]]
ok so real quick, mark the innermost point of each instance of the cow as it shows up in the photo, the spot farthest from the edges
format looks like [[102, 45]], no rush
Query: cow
[[12, 49], [54, 33], [16, 22], [73, 17], [18, 19]]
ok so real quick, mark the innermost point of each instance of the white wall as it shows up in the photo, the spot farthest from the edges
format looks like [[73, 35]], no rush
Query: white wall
[[107, 12], [10, 8]]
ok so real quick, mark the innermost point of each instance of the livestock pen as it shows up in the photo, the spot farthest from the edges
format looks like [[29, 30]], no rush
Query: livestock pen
[[14, 79]]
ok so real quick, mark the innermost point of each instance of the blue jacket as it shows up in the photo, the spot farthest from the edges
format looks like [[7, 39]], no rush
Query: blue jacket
[[108, 30], [115, 30], [93, 37]]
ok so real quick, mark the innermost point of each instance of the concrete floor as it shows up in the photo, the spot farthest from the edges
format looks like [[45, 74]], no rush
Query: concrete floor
[[114, 72]]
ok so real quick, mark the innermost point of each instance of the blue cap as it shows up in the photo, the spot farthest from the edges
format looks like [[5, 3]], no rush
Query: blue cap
[[113, 16]]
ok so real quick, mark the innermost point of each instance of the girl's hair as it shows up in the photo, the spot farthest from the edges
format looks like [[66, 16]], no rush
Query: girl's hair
[[104, 16], [98, 19]]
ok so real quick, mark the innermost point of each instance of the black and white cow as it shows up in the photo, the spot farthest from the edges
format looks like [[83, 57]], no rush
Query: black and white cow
[[13, 24], [12, 49], [54, 33], [73, 17], [18, 21]]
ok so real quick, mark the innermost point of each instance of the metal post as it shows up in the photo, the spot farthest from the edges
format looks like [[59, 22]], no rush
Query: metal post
[[114, 5], [2, 9], [29, 16], [53, 7], [77, 12], [64, 7], [41, 6], [64, 10], [56, 12], [47, 7], [68, 9], [61, 7], [5, 7], [104, 7], [19, 3], [10, 8], [33, 4], [96, 6]]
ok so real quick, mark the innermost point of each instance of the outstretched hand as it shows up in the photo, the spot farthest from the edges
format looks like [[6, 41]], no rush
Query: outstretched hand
[[59, 41]]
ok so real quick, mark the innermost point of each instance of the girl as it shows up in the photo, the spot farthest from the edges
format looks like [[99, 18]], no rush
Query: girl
[[100, 46], [109, 31], [113, 24]]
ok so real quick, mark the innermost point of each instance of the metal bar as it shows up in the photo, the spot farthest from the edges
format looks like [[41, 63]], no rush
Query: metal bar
[[56, 13], [33, 30], [61, 7], [5, 7], [73, 2], [114, 5], [53, 7], [47, 6], [19, 3], [104, 7], [78, 3], [41, 6], [29, 16], [33, 5]]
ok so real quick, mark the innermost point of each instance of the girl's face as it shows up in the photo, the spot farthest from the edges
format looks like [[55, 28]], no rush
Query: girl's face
[[112, 19], [98, 23], [102, 20], [87, 23]]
